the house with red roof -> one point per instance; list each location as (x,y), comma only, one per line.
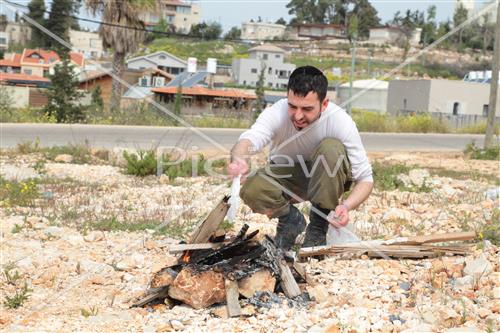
(38,62)
(201,100)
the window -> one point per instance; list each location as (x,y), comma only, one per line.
(485,110)
(163,57)
(245,82)
(3,40)
(270,84)
(405,104)
(277,56)
(456,105)
(254,70)
(270,70)
(28,71)
(265,56)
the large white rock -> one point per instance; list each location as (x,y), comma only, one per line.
(478,268)
(63,158)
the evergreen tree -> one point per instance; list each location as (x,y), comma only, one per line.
(260,103)
(459,17)
(37,12)
(63,96)
(59,22)
(233,34)
(280,21)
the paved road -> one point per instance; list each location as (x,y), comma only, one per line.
(145,137)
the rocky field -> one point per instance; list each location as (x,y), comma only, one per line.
(80,242)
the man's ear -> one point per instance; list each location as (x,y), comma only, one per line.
(324,104)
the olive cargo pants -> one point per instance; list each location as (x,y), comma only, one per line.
(322,181)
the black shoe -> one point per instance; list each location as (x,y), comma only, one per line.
(317,228)
(289,227)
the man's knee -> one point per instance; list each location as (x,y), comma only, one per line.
(251,189)
(331,149)
(262,196)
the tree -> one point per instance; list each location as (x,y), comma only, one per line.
(353,28)
(37,13)
(205,30)
(160,28)
(260,102)
(429,27)
(63,96)
(122,41)
(233,34)
(178,103)
(59,22)
(280,21)
(6,102)
(459,17)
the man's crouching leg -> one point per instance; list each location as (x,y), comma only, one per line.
(263,195)
(327,184)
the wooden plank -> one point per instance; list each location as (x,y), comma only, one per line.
(232,295)
(173,248)
(211,223)
(447,237)
(288,283)
(301,270)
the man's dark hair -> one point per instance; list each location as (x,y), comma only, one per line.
(305,79)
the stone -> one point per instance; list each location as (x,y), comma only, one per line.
(261,280)
(483,313)
(220,311)
(94,236)
(63,158)
(464,330)
(478,268)
(318,293)
(164,179)
(177,325)
(420,328)
(54,231)
(496,293)
(198,290)
(430,317)
(464,282)
(163,278)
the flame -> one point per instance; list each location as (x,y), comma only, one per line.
(185,257)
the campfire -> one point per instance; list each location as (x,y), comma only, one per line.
(213,270)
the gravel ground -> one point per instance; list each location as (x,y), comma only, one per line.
(85,280)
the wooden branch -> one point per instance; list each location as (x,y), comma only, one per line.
(202,246)
(288,283)
(232,295)
(211,223)
(447,237)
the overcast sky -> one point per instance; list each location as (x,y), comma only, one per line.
(231,13)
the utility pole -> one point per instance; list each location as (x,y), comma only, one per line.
(351,77)
(490,124)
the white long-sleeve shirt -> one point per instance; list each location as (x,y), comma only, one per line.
(274,126)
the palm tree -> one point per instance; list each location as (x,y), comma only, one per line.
(121,40)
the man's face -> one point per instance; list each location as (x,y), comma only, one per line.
(304,110)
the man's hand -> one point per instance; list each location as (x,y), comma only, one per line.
(238,167)
(340,217)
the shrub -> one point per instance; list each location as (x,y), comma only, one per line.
(14,193)
(141,164)
(479,128)
(476,153)
(386,176)
(420,123)
(80,152)
(372,121)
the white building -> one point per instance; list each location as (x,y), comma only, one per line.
(276,74)
(178,14)
(261,31)
(87,43)
(372,95)
(161,60)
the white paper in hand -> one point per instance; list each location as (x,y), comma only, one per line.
(234,200)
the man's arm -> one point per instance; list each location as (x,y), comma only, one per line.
(360,192)
(240,158)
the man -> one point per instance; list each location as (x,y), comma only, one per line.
(316,152)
